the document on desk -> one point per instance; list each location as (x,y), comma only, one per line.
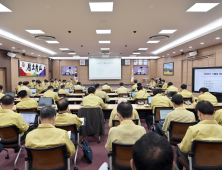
(69,133)
(83,121)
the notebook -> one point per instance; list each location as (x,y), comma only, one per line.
(164,112)
(29,117)
(33,91)
(45,102)
(83,121)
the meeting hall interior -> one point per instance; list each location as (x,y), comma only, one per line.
(111,85)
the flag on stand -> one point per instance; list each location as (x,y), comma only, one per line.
(132,76)
(76,76)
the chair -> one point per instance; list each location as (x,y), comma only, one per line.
(53,158)
(204,155)
(106,90)
(120,156)
(62,95)
(177,131)
(74,131)
(125,95)
(187,99)
(31,110)
(142,101)
(215,108)
(0,101)
(170,94)
(10,137)
(116,122)
(77,91)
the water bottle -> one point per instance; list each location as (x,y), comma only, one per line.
(146,102)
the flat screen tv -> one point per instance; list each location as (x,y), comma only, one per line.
(68,70)
(140,70)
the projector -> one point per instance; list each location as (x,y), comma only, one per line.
(191,54)
(11,54)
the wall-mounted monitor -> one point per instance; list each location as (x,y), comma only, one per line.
(69,70)
(168,69)
(140,70)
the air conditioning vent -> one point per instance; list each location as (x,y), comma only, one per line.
(68,51)
(44,37)
(105,53)
(159,37)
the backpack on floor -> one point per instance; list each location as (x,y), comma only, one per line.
(88,154)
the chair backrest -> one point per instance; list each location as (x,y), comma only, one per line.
(106,90)
(31,110)
(207,155)
(77,91)
(116,122)
(9,134)
(217,108)
(123,95)
(142,101)
(71,128)
(53,158)
(177,130)
(122,154)
(62,95)
(157,112)
(187,99)
(171,93)
(0,101)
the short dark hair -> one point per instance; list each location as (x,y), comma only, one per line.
(141,67)
(152,78)
(125,109)
(33,80)
(170,84)
(157,91)
(121,84)
(152,151)
(46,81)
(47,112)
(55,78)
(139,88)
(183,86)
(139,84)
(62,86)
(91,90)
(25,83)
(78,83)
(177,99)
(62,104)
(19,83)
(50,87)
(135,81)
(1,87)
(7,100)
(69,67)
(205,107)
(22,93)
(52,81)
(59,79)
(163,80)
(203,89)
(63,80)
(96,86)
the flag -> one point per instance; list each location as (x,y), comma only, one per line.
(132,76)
(76,76)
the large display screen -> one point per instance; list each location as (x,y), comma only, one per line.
(168,69)
(31,69)
(68,70)
(104,69)
(140,70)
(208,77)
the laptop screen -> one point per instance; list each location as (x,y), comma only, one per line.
(150,99)
(10,94)
(29,117)
(133,93)
(164,112)
(84,87)
(67,90)
(33,91)
(57,92)
(45,101)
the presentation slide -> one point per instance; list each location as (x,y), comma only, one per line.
(210,78)
(104,69)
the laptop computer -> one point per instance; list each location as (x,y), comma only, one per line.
(150,100)
(33,91)
(10,94)
(133,93)
(68,90)
(29,117)
(45,102)
(164,112)
(84,87)
(57,92)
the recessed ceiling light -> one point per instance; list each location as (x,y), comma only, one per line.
(153,41)
(23,50)
(163,56)
(202,7)
(202,43)
(4,8)
(104,42)
(101,6)
(52,42)
(38,55)
(173,52)
(167,54)
(71,53)
(181,50)
(63,49)
(13,47)
(0,43)
(104,49)
(167,31)
(35,31)
(190,47)
(136,53)
(218,38)
(143,49)
(32,53)
(103,31)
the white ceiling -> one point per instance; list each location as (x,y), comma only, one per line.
(147,17)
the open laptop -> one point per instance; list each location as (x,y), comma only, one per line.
(29,117)
(10,94)
(133,93)
(33,91)
(150,100)
(68,90)
(57,92)
(45,102)
(84,87)
(164,112)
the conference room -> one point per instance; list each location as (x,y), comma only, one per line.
(84,83)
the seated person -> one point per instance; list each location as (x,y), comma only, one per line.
(185,93)
(218,116)
(141,94)
(207,96)
(64,83)
(56,83)
(171,88)
(151,152)
(92,84)
(26,102)
(134,87)
(180,114)
(1,91)
(39,86)
(152,83)
(8,117)
(70,83)
(158,100)
(122,89)
(63,91)
(25,87)
(127,132)
(114,114)
(140,84)
(164,85)
(207,130)
(46,135)
(106,87)
(50,93)
(101,94)
(51,83)
(19,85)
(32,84)
(45,84)
(92,100)
(78,86)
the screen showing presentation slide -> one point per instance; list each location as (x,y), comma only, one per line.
(68,70)
(104,69)
(140,70)
(210,78)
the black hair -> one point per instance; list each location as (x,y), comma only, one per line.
(55,78)
(135,81)
(139,84)
(52,81)
(163,80)
(157,91)
(203,89)
(139,88)
(19,83)
(69,67)
(205,107)
(177,99)
(62,86)
(50,87)
(33,80)
(78,83)
(25,83)
(22,93)
(152,78)
(121,84)
(47,112)
(7,100)
(170,84)
(63,80)
(62,104)
(91,90)
(141,67)
(1,87)
(46,81)
(125,109)
(152,152)
(183,86)
(96,86)
(59,79)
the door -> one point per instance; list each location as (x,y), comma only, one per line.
(2,78)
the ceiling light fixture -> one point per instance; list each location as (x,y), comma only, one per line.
(35,31)
(167,31)
(104,49)
(202,43)
(143,49)
(173,52)
(104,42)
(103,31)
(71,53)
(181,50)
(101,6)
(13,47)
(202,7)
(217,38)
(163,56)
(63,49)
(69,58)
(4,8)
(136,53)
(153,41)
(167,54)
(145,57)
(38,55)
(52,42)
(32,53)
(190,47)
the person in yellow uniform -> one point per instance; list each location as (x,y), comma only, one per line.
(1,91)
(207,130)
(9,117)
(63,83)
(18,86)
(218,116)
(92,100)
(140,84)
(50,93)
(32,84)
(46,135)
(152,83)
(127,132)
(134,87)
(114,114)
(26,102)
(56,83)
(165,85)
(171,87)
(207,96)
(39,87)
(180,114)
(101,94)
(185,93)
(78,86)
(51,83)
(63,91)
(106,87)
(158,100)
(122,89)
(141,94)
(25,87)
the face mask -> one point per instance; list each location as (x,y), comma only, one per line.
(2,91)
(21,84)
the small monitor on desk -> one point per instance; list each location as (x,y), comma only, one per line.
(150,100)
(68,90)
(164,113)
(133,93)
(45,102)
(10,94)
(29,117)
(84,87)
(33,91)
